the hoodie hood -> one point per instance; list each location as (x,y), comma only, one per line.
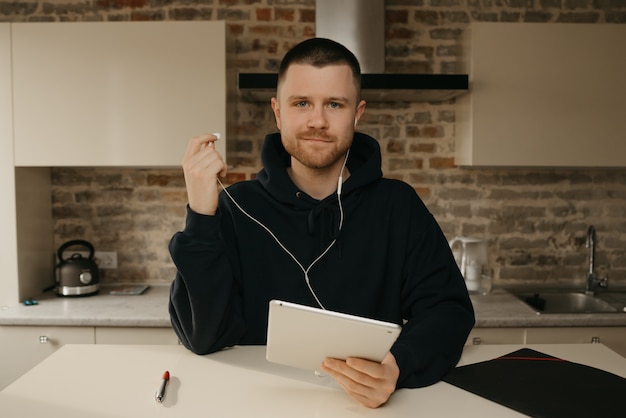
(364,163)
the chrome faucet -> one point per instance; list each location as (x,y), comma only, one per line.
(593,283)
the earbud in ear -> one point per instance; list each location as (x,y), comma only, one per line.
(355,122)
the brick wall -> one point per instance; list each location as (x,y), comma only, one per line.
(535,219)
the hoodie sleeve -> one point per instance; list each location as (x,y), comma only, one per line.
(435,303)
(204,306)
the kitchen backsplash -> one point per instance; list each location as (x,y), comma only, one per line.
(536,220)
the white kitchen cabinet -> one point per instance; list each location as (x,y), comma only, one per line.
(496,336)
(23,347)
(544,94)
(8,231)
(613,337)
(115,93)
(126,335)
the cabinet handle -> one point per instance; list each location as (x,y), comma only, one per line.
(476,341)
(43,339)
(595,340)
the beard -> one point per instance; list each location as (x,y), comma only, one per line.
(316,157)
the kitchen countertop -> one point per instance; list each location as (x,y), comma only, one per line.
(146,310)
(499,309)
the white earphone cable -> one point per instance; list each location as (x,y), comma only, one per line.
(304,270)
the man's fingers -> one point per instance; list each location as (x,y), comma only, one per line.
(197,143)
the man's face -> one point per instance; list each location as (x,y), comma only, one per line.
(316,112)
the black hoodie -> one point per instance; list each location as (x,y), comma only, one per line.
(390,262)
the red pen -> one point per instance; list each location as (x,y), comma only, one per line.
(160,394)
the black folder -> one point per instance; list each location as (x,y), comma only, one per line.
(543,386)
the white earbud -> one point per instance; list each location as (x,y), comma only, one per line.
(340,179)
(355,122)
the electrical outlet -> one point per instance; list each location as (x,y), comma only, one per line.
(104,259)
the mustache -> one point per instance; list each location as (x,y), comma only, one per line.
(314,133)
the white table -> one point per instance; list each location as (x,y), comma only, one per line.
(120,381)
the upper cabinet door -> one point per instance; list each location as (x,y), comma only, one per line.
(116,93)
(543,95)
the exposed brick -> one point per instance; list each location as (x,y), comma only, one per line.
(234,177)
(448,50)
(555,4)
(438,163)
(396,16)
(506,16)
(448,67)
(455,193)
(232,14)
(615,17)
(71,231)
(423,52)
(246,63)
(433,131)
(410,67)
(174,195)
(422,148)
(426,17)
(147,16)
(399,33)
(308,31)
(307,16)
(405,163)
(455,17)
(524,4)
(288,15)
(396,147)
(584,17)
(188,13)
(445,3)
(265,30)
(111,210)
(446,116)
(235,29)
(264,14)
(485,16)
(120,4)
(397,51)
(537,16)
(445,33)
(422,192)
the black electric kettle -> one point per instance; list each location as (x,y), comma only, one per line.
(77,275)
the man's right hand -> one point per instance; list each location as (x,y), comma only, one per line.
(201,166)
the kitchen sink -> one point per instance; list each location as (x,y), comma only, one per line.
(568,302)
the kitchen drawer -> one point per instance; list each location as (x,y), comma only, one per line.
(23,347)
(127,335)
(496,336)
(613,337)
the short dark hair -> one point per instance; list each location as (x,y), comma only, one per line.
(320,52)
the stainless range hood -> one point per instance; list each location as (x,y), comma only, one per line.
(362,30)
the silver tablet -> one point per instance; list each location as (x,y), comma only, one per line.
(302,336)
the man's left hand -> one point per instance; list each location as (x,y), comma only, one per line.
(368,382)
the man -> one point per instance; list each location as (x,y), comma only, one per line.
(318,226)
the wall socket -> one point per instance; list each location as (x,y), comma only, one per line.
(104,259)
